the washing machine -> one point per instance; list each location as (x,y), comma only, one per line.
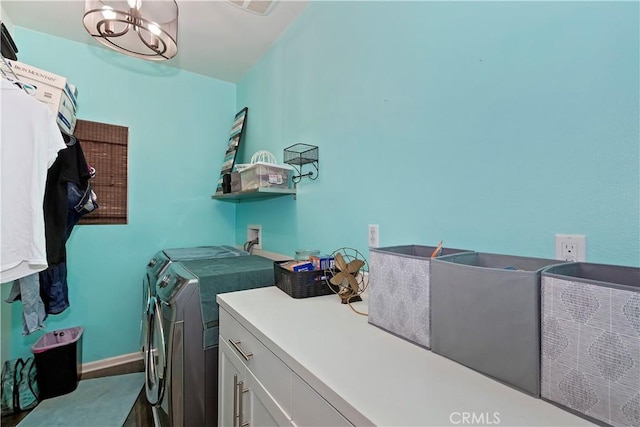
(182,351)
(158,265)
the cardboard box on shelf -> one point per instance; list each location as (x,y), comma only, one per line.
(52,89)
(74,91)
(66,117)
(298,266)
(322,262)
(66,121)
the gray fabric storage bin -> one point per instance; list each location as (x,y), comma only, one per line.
(399,290)
(591,341)
(485,314)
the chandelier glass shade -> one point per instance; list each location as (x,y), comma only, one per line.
(146,29)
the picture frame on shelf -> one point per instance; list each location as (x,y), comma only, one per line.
(233,145)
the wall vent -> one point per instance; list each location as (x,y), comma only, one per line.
(259,7)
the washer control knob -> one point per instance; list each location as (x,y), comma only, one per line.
(165,281)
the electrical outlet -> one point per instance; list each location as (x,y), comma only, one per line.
(255,232)
(374,235)
(571,247)
(569,251)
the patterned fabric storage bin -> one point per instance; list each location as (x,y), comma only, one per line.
(399,290)
(485,314)
(591,341)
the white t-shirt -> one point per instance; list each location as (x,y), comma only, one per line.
(30,141)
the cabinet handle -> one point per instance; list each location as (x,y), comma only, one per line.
(241,423)
(236,345)
(235,400)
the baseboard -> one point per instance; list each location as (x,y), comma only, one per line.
(111,362)
(271,255)
(266,254)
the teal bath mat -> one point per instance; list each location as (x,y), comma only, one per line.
(100,402)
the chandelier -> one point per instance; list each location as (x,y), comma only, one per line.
(146,29)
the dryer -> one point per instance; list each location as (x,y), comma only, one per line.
(161,260)
(182,350)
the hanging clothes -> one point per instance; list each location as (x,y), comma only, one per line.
(30,144)
(70,167)
(54,290)
(27,290)
(65,203)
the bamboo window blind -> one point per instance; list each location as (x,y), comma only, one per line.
(105,148)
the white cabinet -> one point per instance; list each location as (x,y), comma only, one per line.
(231,374)
(299,344)
(310,409)
(256,388)
(242,399)
(262,409)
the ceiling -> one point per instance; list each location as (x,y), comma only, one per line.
(215,38)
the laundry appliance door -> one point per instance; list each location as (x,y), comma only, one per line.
(170,410)
(146,310)
(155,267)
(155,355)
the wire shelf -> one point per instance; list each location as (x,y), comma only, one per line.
(300,154)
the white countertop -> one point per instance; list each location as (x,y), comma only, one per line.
(374,377)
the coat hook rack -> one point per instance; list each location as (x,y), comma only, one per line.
(301,154)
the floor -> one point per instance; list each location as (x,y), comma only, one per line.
(140,415)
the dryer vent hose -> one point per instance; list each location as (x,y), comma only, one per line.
(248,246)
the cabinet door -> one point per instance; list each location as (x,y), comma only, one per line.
(273,373)
(263,410)
(231,374)
(242,400)
(310,409)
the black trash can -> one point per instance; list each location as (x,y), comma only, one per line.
(58,357)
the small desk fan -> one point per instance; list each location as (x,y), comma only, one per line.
(346,274)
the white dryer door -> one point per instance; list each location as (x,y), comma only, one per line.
(155,360)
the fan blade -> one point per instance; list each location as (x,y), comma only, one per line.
(342,266)
(337,279)
(353,283)
(355,265)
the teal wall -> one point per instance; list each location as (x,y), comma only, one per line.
(178,129)
(490,125)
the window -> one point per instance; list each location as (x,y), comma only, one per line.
(105,148)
